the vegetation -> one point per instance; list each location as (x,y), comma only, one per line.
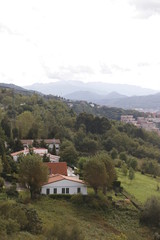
(142,187)
(33,173)
(89,141)
(151,212)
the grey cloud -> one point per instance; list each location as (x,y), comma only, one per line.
(146,8)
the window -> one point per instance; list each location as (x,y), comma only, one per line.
(55,190)
(67,190)
(79,190)
(63,190)
(47,191)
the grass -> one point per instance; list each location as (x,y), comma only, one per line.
(114,224)
(141,187)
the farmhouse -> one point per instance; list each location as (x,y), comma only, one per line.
(60,184)
(50,143)
(40,151)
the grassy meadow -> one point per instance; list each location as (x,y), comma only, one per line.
(114,224)
(141,187)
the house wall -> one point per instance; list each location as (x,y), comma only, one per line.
(73,186)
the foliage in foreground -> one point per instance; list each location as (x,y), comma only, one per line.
(33,173)
(151,212)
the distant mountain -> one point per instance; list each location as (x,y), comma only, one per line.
(114,95)
(92,97)
(150,102)
(83,95)
(63,88)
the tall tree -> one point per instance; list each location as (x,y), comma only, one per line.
(95,173)
(110,170)
(33,173)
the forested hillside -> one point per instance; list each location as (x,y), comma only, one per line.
(102,111)
(35,116)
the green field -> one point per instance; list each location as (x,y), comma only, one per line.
(141,187)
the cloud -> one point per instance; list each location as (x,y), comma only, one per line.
(78,69)
(5,29)
(105,69)
(118,68)
(69,72)
(143,64)
(146,8)
(113,68)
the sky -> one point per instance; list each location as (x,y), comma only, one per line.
(114,41)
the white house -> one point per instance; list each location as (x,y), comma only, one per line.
(40,151)
(60,184)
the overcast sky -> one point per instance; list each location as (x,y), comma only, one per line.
(115,41)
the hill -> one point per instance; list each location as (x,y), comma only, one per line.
(63,88)
(16,88)
(92,97)
(150,102)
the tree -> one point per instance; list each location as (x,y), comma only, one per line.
(114,153)
(123,156)
(68,152)
(124,169)
(46,158)
(24,123)
(33,173)
(133,163)
(131,174)
(110,171)
(95,173)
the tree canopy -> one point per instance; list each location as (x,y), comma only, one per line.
(33,173)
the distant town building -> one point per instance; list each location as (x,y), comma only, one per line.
(149,124)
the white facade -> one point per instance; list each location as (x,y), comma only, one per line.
(64,187)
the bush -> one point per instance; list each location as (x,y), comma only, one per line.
(99,202)
(12,192)
(60,196)
(62,232)
(151,212)
(34,222)
(1,183)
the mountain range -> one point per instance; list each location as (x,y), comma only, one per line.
(63,88)
(149,99)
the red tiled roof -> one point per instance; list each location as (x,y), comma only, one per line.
(57,168)
(59,177)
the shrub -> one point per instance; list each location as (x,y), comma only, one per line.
(99,202)
(34,222)
(151,212)
(1,183)
(60,196)
(12,192)
(61,232)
